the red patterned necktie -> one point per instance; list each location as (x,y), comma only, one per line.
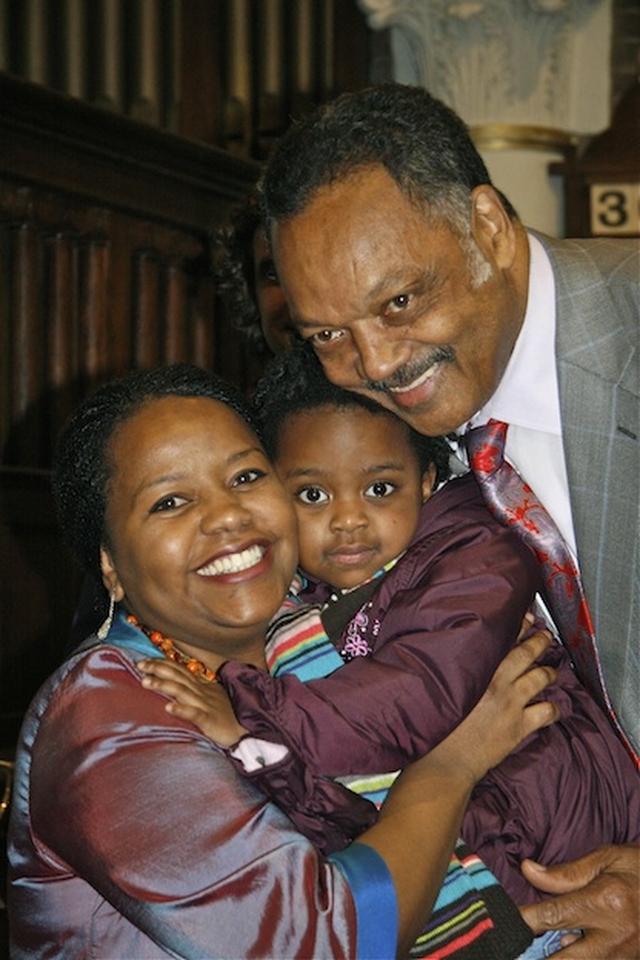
(514,503)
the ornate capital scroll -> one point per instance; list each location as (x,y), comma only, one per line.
(529,77)
(535,63)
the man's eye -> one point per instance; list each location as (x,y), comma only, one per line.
(312,495)
(399,303)
(324,337)
(170,502)
(381,488)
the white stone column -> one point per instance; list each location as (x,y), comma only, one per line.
(529,77)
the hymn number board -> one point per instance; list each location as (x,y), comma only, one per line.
(615,209)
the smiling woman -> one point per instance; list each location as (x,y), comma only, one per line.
(131,833)
(200,535)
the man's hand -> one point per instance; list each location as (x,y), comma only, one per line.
(206,705)
(600,894)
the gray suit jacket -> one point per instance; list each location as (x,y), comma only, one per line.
(598,323)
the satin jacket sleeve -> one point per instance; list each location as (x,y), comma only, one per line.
(133,835)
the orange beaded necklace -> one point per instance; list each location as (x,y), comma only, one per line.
(169,649)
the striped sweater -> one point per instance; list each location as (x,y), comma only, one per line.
(473,917)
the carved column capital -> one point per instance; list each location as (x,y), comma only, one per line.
(537,63)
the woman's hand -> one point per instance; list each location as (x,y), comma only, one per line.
(205,704)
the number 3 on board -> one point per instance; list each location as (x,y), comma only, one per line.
(615,209)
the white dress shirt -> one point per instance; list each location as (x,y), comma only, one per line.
(527,399)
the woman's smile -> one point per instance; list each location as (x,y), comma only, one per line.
(201,536)
(249,560)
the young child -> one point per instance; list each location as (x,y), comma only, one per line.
(416,596)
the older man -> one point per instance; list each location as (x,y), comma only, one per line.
(417,285)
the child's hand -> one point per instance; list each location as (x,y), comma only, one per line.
(206,705)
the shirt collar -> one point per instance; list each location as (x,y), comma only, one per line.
(527,394)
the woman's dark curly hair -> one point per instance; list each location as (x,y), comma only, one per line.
(234,271)
(82,466)
(295,383)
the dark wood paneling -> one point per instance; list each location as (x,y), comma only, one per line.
(39,585)
(104,266)
(201,113)
(52,139)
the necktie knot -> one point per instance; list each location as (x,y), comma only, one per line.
(485,447)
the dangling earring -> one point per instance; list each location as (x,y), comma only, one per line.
(106,626)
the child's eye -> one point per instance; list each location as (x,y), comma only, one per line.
(171,502)
(312,495)
(248,477)
(381,488)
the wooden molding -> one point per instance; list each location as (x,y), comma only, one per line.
(52,139)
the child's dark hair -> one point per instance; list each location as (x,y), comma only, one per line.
(295,382)
(82,467)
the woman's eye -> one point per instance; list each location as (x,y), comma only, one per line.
(248,477)
(381,488)
(312,495)
(170,502)
(270,274)
(266,274)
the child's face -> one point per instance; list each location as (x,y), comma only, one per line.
(356,487)
(202,535)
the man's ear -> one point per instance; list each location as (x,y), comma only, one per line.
(492,227)
(110,575)
(428,480)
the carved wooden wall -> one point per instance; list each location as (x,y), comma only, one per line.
(105,224)
(104,266)
(227,72)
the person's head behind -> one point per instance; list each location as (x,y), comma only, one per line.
(247,283)
(401,263)
(358,475)
(163,487)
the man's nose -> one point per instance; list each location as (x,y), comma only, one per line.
(378,355)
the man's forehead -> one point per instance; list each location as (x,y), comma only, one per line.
(343,188)
(386,259)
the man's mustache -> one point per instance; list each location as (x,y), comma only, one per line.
(405,375)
